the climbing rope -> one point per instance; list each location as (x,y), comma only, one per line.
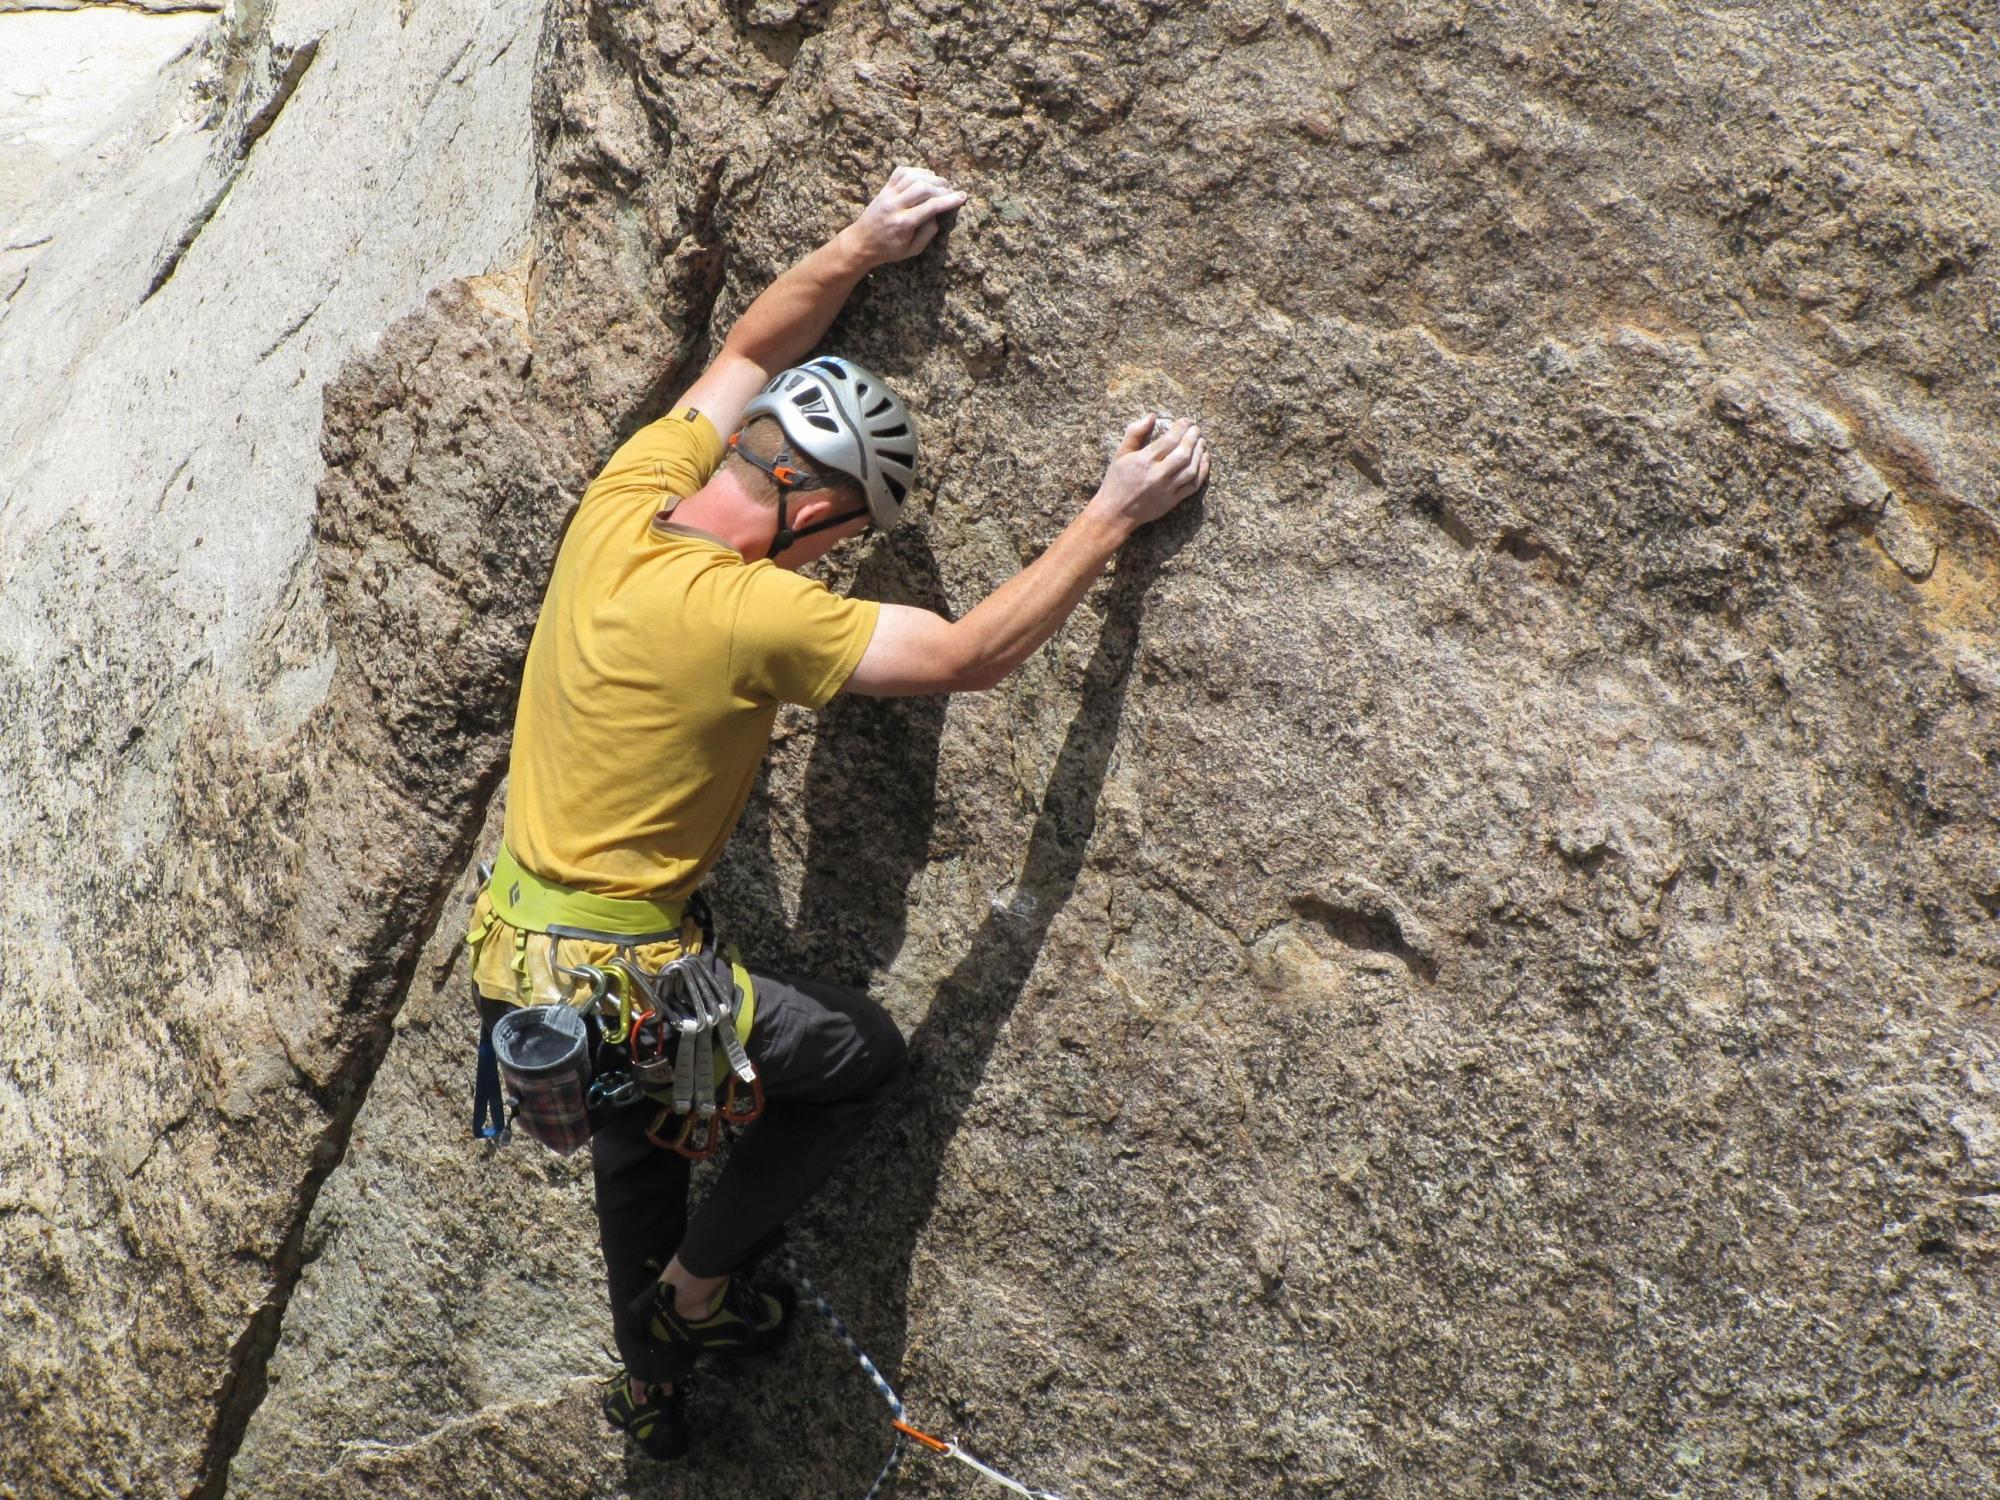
(792,1270)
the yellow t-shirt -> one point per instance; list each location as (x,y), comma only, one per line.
(655,673)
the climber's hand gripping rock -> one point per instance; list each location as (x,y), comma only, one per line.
(903,217)
(1150,475)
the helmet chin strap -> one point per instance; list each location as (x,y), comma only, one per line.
(787,478)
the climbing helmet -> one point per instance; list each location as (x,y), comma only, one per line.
(846,418)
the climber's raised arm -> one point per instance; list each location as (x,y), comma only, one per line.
(794,312)
(915,651)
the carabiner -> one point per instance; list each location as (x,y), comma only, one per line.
(637,977)
(685,1143)
(649,1037)
(729,1110)
(590,974)
(674,1000)
(615,1091)
(618,1029)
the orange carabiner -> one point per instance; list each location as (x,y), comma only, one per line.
(654,1039)
(684,1142)
(737,1116)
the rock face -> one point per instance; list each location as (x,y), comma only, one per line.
(1469,968)
(186,1011)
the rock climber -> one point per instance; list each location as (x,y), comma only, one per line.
(675,623)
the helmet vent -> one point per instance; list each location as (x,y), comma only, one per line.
(842,419)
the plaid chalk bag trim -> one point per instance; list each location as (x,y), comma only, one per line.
(544,1059)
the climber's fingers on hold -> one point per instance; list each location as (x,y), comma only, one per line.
(1195,475)
(906,179)
(909,185)
(1187,473)
(898,193)
(1161,450)
(1185,464)
(928,201)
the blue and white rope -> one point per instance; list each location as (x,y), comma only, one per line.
(791,1268)
(788,1264)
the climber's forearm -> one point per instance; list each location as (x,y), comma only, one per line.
(794,312)
(1010,624)
(1157,466)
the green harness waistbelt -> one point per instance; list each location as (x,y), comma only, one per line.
(521,898)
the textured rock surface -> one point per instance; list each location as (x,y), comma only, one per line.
(67,81)
(182,1030)
(1468,969)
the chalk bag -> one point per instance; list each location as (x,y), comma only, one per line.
(544,1058)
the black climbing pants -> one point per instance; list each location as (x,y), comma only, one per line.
(829,1059)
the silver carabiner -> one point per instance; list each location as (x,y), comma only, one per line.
(590,974)
(722,1008)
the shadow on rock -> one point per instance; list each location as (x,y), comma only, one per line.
(870,805)
(871,753)
(871,808)
(884,1195)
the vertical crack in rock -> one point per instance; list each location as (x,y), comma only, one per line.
(422,698)
(170,262)
(263,99)
(290,331)
(411,748)
(249,1358)
(292,69)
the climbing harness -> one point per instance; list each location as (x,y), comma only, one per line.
(677,1031)
(788,1265)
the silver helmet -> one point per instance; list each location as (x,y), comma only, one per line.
(846,418)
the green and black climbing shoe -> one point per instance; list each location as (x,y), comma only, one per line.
(658,1424)
(749,1318)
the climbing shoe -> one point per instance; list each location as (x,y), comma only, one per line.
(749,1318)
(658,1424)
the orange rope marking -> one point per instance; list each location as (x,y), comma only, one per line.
(934,1444)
